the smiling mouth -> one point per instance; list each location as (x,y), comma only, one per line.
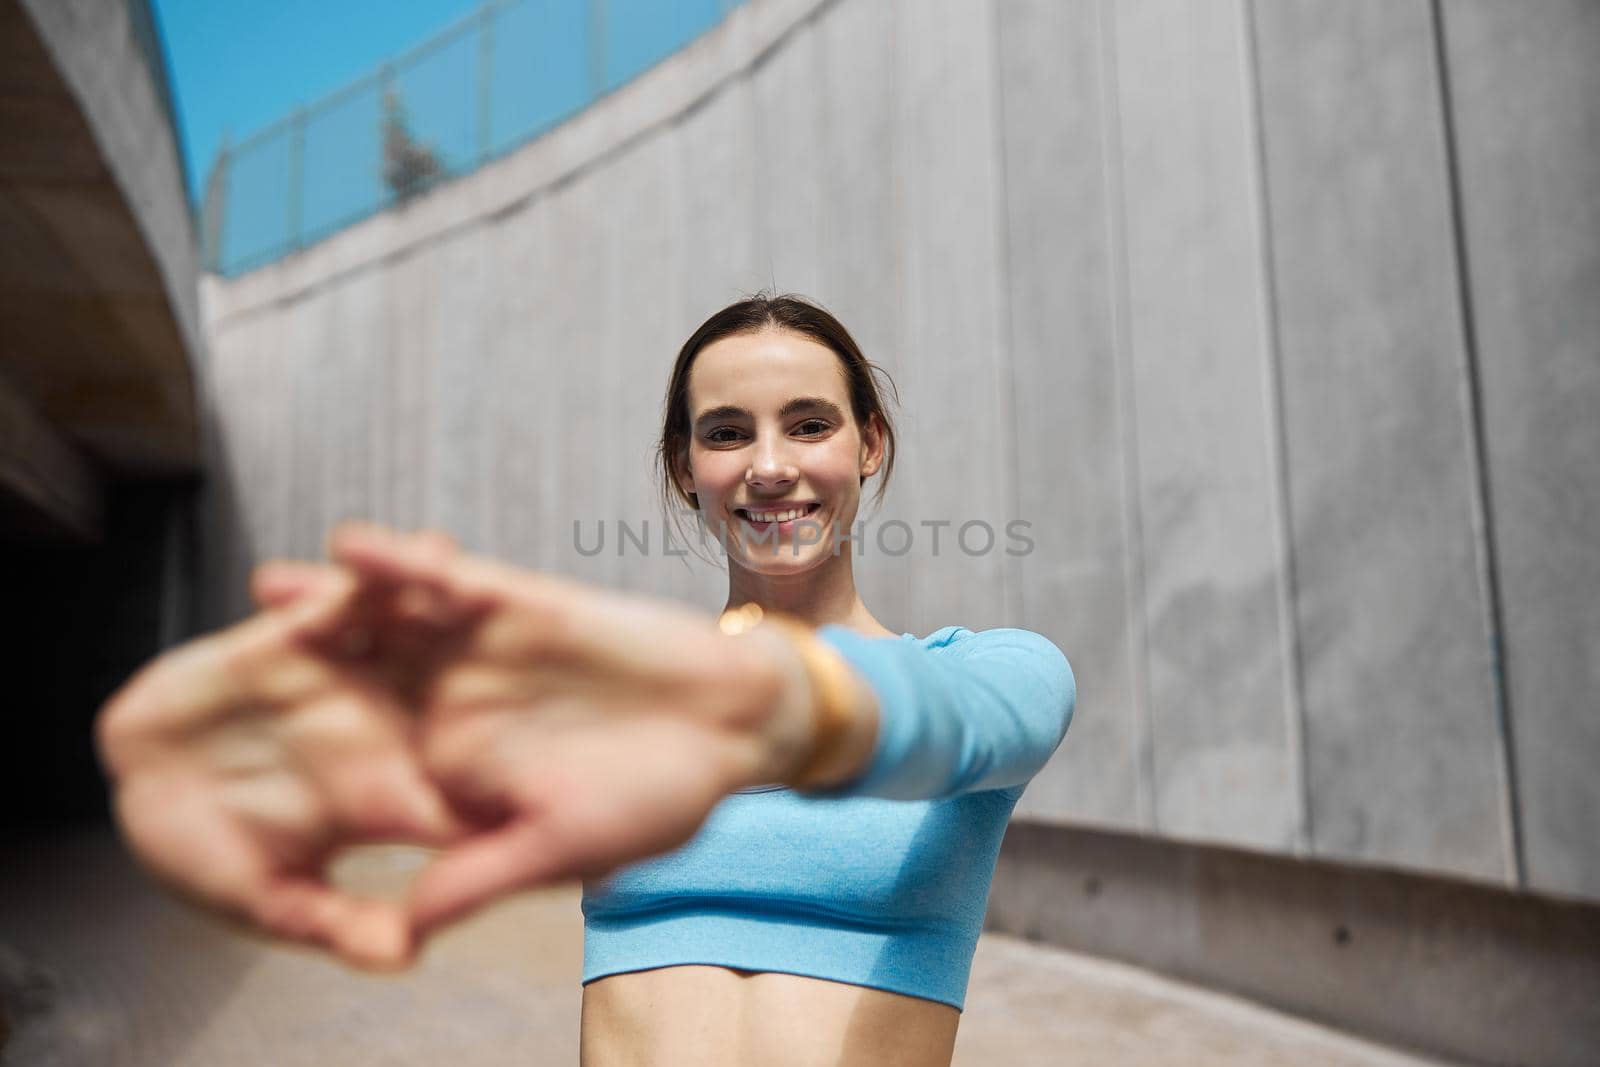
(810,510)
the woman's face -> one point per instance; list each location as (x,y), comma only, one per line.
(770,431)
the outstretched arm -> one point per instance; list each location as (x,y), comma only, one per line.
(579,729)
(986,713)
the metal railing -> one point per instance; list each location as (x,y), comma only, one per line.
(477,89)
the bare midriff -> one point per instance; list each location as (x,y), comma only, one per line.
(722,1017)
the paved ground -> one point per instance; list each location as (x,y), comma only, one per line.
(99,967)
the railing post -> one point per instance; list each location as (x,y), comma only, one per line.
(385,89)
(297,166)
(214,208)
(485,78)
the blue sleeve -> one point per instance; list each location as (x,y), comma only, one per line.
(986,713)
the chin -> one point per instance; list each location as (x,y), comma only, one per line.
(783,560)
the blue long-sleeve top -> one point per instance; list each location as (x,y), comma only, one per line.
(882,881)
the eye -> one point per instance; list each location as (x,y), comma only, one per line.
(714,439)
(822,427)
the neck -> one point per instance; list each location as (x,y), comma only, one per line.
(824,595)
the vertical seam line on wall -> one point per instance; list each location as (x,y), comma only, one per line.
(422,395)
(1013,592)
(491,348)
(382,406)
(819,236)
(333,374)
(1277,439)
(1127,413)
(1480,489)
(277,522)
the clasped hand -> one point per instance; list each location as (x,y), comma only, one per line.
(532,728)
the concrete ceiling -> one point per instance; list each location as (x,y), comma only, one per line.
(95,372)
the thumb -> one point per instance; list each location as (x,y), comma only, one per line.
(366,933)
(522,854)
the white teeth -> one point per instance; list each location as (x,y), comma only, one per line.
(776,516)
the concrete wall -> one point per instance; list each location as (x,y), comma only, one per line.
(1275,320)
(1463,973)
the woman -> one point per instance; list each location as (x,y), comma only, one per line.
(787,819)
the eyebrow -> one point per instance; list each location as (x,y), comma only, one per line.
(795,406)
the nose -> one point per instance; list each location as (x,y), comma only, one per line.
(770,470)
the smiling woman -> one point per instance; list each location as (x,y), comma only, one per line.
(818,925)
(786,818)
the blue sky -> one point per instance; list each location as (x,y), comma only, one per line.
(239,65)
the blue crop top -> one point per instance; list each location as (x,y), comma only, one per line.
(880,882)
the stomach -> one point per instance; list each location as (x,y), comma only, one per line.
(711,1016)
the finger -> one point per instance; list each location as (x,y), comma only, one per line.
(335,614)
(366,933)
(427,549)
(426,569)
(435,543)
(276,583)
(383,555)
(376,791)
(521,855)
(181,835)
(203,680)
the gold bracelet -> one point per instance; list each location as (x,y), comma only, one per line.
(832,688)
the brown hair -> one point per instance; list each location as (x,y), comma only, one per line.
(785,312)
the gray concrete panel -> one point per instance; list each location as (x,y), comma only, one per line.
(714,147)
(399,463)
(464,292)
(958,430)
(609,434)
(1402,751)
(1525,83)
(578,282)
(788,165)
(1070,485)
(250,393)
(522,407)
(301,358)
(858,247)
(644,326)
(354,372)
(503,401)
(1208,503)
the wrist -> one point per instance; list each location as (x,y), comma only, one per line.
(817,726)
(778,722)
